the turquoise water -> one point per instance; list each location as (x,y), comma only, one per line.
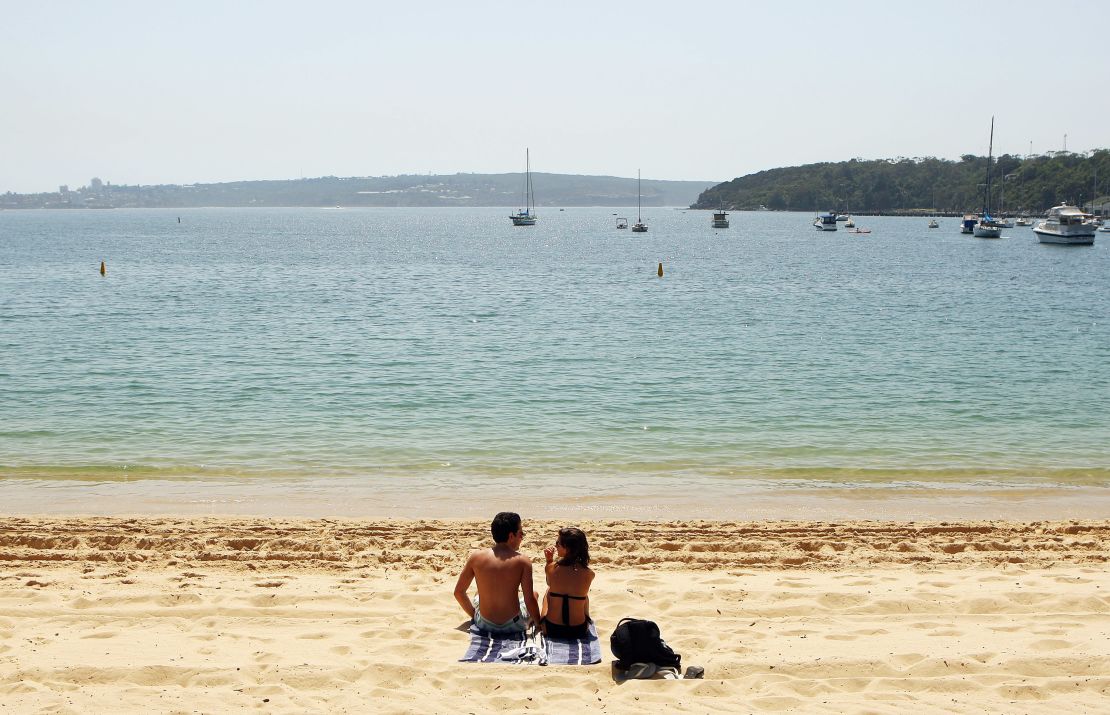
(444,348)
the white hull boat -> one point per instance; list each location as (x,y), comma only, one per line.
(1066,225)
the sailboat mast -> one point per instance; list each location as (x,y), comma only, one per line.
(528,200)
(990,153)
(638,196)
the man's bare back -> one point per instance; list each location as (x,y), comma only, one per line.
(502,573)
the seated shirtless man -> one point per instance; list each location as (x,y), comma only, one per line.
(501,572)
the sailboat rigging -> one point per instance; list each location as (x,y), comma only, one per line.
(639,226)
(527,215)
(987,227)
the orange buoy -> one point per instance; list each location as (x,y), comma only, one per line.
(102,270)
(660,270)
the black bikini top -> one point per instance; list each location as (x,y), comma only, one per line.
(566,604)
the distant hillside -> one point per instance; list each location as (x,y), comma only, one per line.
(447,190)
(877,186)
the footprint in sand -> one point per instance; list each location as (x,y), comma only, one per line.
(101,634)
(1050,644)
(841,637)
(341,650)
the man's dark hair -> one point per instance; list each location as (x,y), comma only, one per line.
(504,524)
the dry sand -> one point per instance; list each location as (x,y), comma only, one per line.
(114,615)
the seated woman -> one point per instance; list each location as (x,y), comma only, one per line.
(565,612)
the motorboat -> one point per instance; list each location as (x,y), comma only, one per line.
(527,215)
(825,222)
(622,223)
(850,223)
(1067,225)
(933,223)
(720,219)
(842,217)
(1022,221)
(860,230)
(967,225)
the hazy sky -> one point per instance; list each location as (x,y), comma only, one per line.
(178,92)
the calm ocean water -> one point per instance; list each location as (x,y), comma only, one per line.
(426,353)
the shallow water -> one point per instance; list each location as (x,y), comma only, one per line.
(430,352)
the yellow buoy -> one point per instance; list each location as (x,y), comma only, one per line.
(660,270)
(102,270)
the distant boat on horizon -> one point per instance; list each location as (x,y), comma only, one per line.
(527,215)
(639,226)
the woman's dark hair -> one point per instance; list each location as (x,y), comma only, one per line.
(504,524)
(578,551)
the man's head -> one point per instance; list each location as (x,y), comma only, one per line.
(504,525)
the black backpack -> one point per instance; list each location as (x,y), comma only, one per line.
(638,641)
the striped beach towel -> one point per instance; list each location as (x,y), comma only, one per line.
(578,651)
(513,648)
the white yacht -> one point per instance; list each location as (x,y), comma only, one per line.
(1066,224)
(933,223)
(825,222)
(720,219)
(1022,221)
(967,225)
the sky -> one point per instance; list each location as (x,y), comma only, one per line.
(183,92)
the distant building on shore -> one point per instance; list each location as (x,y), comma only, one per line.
(1099,207)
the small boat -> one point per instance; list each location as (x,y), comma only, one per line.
(1022,221)
(639,226)
(967,225)
(987,227)
(850,223)
(527,215)
(860,230)
(825,222)
(1066,225)
(720,219)
(933,223)
(1104,229)
(843,217)
(622,223)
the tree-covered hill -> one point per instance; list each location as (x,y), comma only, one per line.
(1032,184)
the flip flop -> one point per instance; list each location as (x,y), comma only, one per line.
(694,672)
(642,671)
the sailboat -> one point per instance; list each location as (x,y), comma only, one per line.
(527,215)
(987,227)
(639,226)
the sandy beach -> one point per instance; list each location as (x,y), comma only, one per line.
(215,614)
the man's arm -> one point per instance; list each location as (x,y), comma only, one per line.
(529,593)
(465,579)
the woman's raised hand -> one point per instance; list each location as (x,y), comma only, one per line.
(549,553)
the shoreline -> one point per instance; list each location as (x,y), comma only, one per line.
(629,498)
(135,615)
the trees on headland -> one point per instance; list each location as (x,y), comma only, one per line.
(1030,184)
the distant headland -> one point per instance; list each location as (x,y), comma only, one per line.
(405,190)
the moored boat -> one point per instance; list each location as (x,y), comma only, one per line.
(967,225)
(527,215)
(639,226)
(933,223)
(720,219)
(1066,225)
(987,227)
(825,222)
